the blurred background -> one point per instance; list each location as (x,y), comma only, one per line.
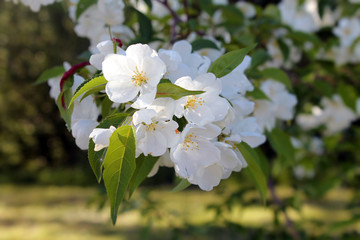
(48,191)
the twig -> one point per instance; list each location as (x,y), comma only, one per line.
(176,19)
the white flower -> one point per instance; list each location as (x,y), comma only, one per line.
(310,121)
(335,115)
(101,137)
(247,8)
(158,9)
(242,106)
(54,83)
(236,81)
(111,11)
(195,150)
(192,63)
(174,66)
(207,177)
(247,130)
(138,72)
(36,4)
(163,161)
(83,109)
(119,31)
(281,105)
(89,23)
(299,18)
(338,116)
(203,108)
(231,159)
(164,108)
(104,48)
(84,116)
(347,30)
(211,53)
(278,59)
(81,130)
(154,135)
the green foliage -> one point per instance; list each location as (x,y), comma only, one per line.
(82,6)
(254,168)
(277,75)
(96,158)
(281,143)
(145,28)
(119,166)
(92,84)
(63,103)
(203,43)
(257,93)
(273,12)
(173,91)
(181,185)
(349,95)
(50,73)
(226,63)
(144,165)
(259,57)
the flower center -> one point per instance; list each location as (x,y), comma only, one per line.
(347,31)
(151,127)
(190,142)
(194,102)
(139,78)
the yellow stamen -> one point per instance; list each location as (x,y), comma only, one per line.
(190,143)
(151,127)
(194,102)
(139,78)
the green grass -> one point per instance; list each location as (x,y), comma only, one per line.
(52,212)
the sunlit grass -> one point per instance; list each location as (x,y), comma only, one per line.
(41,212)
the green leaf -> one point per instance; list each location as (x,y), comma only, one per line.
(119,166)
(284,48)
(259,57)
(88,85)
(173,91)
(203,43)
(257,93)
(82,6)
(106,105)
(277,75)
(232,16)
(96,158)
(144,165)
(254,168)
(324,88)
(281,143)
(349,95)
(226,63)
(145,27)
(92,91)
(50,73)
(67,111)
(183,184)
(272,11)
(302,37)
(263,161)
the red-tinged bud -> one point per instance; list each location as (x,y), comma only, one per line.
(117,41)
(67,75)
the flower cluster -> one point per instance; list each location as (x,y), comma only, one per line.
(202,83)
(203,151)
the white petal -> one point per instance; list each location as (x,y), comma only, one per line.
(121,92)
